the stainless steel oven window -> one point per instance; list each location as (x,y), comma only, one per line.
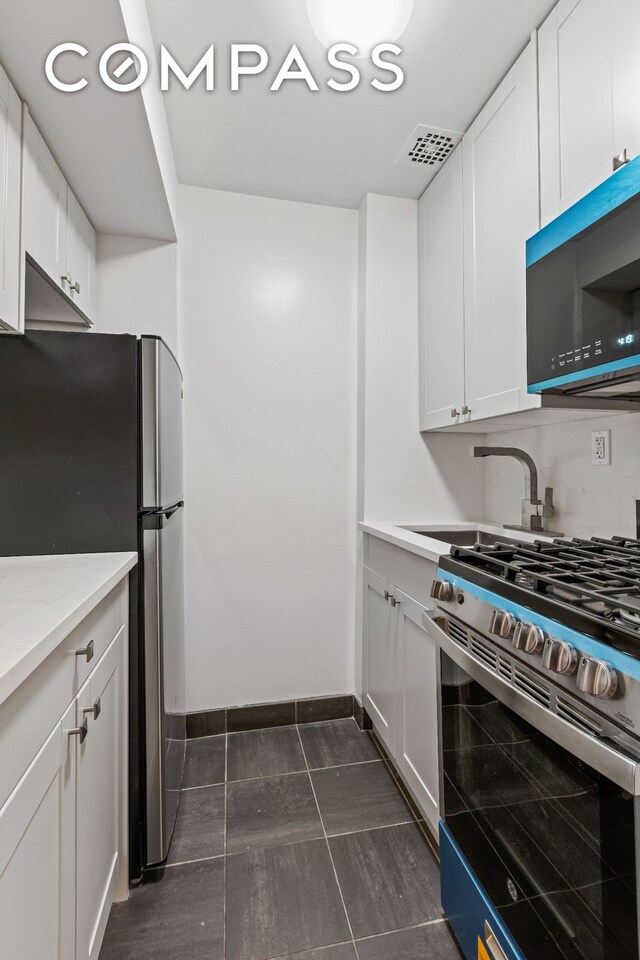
(553,842)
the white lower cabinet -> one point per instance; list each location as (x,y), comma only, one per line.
(400,681)
(380,632)
(417,706)
(36,854)
(97,792)
(63,827)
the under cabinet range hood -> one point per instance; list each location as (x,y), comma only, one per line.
(583,295)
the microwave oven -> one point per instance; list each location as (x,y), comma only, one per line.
(583,295)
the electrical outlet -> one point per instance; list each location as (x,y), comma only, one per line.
(601,448)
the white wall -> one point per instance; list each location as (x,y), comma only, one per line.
(589,500)
(267,305)
(137,287)
(401,475)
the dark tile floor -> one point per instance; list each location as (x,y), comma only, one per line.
(292,842)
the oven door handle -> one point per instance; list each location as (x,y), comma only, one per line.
(602,756)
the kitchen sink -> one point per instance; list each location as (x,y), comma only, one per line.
(467,538)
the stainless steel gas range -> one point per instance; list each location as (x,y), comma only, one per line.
(540,748)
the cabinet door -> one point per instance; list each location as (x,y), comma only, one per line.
(98,780)
(440,218)
(380,656)
(37,855)
(44,204)
(418,707)
(500,160)
(80,258)
(589,103)
(10,206)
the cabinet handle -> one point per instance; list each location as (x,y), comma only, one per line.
(73,287)
(621,160)
(86,651)
(94,710)
(80,731)
(466,410)
(493,946)
(395,602)
(455,413)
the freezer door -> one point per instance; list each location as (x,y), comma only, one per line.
(161,418)
(164,675)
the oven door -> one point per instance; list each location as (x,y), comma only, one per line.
(549,841)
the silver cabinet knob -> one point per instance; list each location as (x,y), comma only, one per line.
(94,710)
(73,287)
(621,159)
(455,413)
(559,656)
(597,677)
(502,624)
(86,651)
(442,590)
(528,638)
(466,410)
(80,731)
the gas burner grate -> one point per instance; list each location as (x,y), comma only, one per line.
(598,576)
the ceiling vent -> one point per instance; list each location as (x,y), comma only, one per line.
(429,146)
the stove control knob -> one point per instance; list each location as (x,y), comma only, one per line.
(559,656)
(442,590)
(597,678)
(528,638)
(502,624)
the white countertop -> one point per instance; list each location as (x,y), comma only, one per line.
(42,599)
(429,547)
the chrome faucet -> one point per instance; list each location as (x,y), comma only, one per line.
(532,516)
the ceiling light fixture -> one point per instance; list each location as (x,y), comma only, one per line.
(364,23)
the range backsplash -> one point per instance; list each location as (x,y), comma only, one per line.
(590,500)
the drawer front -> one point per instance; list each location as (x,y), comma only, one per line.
(475,921)
(407,571)
(29,715)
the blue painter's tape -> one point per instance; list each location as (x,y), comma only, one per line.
(623,185)
(622,364)
(621,661)
(466,903)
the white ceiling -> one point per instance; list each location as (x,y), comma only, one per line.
(329,147)
(104,142)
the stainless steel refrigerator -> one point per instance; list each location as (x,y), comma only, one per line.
(91,461)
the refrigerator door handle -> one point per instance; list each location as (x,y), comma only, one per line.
(155,519)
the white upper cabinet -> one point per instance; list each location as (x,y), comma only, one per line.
(589,75)
(501,211)
(81,258)
(57,234)
(44,205)
(441,248)
(10,198)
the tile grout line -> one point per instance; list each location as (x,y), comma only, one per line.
(421,820)
(182,863)
(287,773)
(287,843)
(326,840)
